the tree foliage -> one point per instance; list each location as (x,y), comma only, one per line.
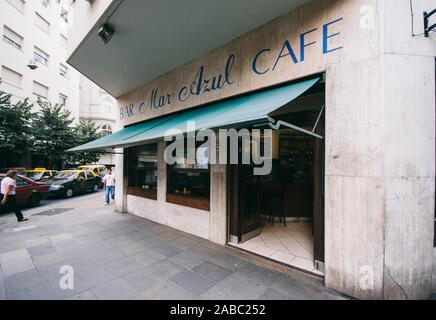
(46,133)
(86,131)
(15,126)
(53,133)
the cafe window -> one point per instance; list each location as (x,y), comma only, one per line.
(142,171)
(188,180)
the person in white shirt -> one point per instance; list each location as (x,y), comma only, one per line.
(109,186)
(7,194)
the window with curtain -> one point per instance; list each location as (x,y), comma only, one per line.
(11,77)
(13,38)
(40,56)
(41,23)
(18,4)
(40,90)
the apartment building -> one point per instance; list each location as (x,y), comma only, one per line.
(36,33)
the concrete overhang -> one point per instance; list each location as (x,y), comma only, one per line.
(154,37)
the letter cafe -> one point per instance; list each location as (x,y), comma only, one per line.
(202,84)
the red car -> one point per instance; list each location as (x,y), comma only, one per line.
(28,192)
(18,169)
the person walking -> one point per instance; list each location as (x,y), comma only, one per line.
(109,186)
(7,194)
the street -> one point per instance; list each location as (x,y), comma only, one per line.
(121,256)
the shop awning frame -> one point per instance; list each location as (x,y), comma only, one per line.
(279,123)
(247,110)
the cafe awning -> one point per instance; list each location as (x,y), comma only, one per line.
(247,110)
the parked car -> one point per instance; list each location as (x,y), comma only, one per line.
(95,168)
(68,183)
(19,170)
(39,174)
(28,192)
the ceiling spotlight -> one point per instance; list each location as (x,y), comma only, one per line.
(106,32)
(32,65)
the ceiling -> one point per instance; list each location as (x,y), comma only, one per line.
(154,37)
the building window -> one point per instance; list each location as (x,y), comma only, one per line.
(63,99)
(142,171)
(107,129)
(11,77)
(64,40)
(13,38)
(64,15)
(41,23)
(40,90)
(63,70)
(40,56)
(188,181)
(18,4)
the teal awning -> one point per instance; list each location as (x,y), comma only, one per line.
(245,110)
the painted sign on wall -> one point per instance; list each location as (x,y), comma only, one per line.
(212,79)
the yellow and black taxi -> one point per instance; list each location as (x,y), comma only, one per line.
(39,174)
(97,169)
(68,183)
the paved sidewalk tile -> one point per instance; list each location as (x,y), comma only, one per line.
(166,250)
(23,280)
(87,295)
(298,289)
(165,290)
(38,292)
(121,256)
(186,259)
(15,262)
(165,269)
(41,249)
(212,271)
(272,294)
(192,282)
(141,279)
(115,290)
(2,291)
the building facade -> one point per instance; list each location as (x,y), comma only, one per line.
(37,31)
(97,106)
(351,195)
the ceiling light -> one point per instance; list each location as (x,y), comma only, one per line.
(106,32)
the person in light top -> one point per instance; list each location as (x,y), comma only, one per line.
(7,194)
(109,185)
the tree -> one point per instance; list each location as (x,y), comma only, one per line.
(53,133)
(15,129)
(86,131)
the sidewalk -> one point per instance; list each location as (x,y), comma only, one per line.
(121,256)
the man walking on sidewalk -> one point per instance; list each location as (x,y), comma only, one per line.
(109,186)
(7,194)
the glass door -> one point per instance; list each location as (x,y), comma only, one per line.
(249,206)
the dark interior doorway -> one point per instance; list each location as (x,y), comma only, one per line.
(282,214)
